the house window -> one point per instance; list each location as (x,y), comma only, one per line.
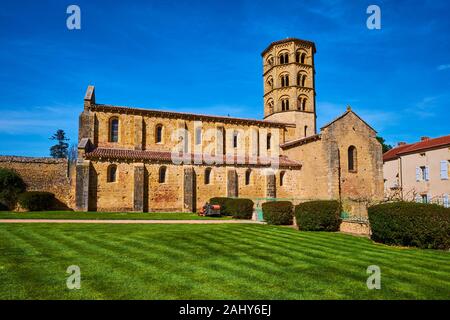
(247,177)
(444,170)
(162,175)
(112,173)
(159,133)
(352,158)
(424,198)
(235,140)
(422,173)
(207,175)
(282,174)
(114,130)
(269,140)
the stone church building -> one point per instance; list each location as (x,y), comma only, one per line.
(132,159)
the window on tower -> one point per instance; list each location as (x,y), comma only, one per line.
(285,80)
(284,104)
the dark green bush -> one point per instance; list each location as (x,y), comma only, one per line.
(222,202)
(411,224)
(11,185)
(36,200)
(321,215)
(240,208)
(278,213)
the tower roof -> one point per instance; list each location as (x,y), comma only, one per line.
(289,40)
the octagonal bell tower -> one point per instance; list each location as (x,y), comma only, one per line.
(289,89)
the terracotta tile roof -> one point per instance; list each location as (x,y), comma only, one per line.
(289,40)
(416,147)
(301,141)
(173,114)
(166,156)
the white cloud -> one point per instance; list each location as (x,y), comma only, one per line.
(443,67)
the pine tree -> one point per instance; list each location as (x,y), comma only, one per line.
(59,150)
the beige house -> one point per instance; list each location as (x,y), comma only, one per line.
(419,171)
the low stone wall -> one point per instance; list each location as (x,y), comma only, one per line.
(43,174)
(355,227)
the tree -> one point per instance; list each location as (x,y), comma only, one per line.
(386,147)
(59,150)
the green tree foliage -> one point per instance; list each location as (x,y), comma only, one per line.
(386,147)
(59,150)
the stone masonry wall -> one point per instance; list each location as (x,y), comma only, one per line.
(43,174)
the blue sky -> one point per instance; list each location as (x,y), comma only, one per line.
(204,57)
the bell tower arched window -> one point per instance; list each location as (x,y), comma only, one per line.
(284,104)
(285,80)
(284,58)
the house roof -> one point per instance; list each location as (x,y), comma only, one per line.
(349,110)
(184,115)
(289,40)
(300,141)
(166,157)
(416,147)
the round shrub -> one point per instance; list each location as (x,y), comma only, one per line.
(411,224)
(321,215)
(36,200)
(278,213)
(11,185)
(222,202)
(240,208)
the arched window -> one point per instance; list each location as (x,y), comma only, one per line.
(352,158)
(235,139)
(269,140)
(114,129)
(301,103)
(270,83)
(207,175)
(270,61)
(303,58)
(247,176)
(303,80)
(198,135)
(162,175)
(282,174)
(285,80)
(284,58)
(112,173)
(270,106)
(159,133)
(284,104)
(297,57)
(305,130)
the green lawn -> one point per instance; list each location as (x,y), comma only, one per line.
(210,262)
(105,215)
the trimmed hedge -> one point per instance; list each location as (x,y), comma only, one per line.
(36,200)
(278,213)
(222,202)
(236,207)
(411,224)
(11,185)
(321,215)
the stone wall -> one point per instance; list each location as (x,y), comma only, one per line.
(43,174)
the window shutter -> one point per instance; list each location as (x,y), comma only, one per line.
(444,170)
(446,204)
(418,174)
(427,173)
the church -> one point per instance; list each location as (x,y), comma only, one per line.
(145,160)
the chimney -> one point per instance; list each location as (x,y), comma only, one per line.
(424,138)
(401,143)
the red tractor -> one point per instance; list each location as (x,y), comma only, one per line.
(210,210)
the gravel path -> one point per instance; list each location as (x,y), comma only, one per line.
(128,221)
